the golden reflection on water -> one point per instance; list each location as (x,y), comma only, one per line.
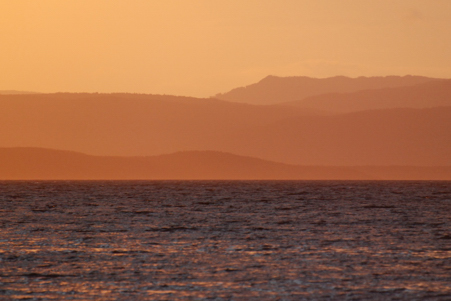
(237,247)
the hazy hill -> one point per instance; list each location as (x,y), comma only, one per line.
(274,90)
(138,125)
(374,137)
(45,164)
(427,95)
(125,124)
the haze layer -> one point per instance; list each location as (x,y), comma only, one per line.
(408,125)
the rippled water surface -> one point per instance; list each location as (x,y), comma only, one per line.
(225,240)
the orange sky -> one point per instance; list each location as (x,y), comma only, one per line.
(203,47)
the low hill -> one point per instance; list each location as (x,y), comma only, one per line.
(45,164)
(275,90)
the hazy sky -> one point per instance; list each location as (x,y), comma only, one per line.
(203,47)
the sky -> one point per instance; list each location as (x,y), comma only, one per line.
(203,47)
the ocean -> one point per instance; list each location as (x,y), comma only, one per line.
(225,240)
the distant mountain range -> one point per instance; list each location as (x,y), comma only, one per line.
(276,90)
(407,125)
(46,164)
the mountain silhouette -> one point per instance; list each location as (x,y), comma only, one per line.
(47,164)
(149,125)
(274,90)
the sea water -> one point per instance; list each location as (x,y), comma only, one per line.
(225,240)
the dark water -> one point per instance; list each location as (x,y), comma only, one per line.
(225,240)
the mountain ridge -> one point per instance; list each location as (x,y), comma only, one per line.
(276,90)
